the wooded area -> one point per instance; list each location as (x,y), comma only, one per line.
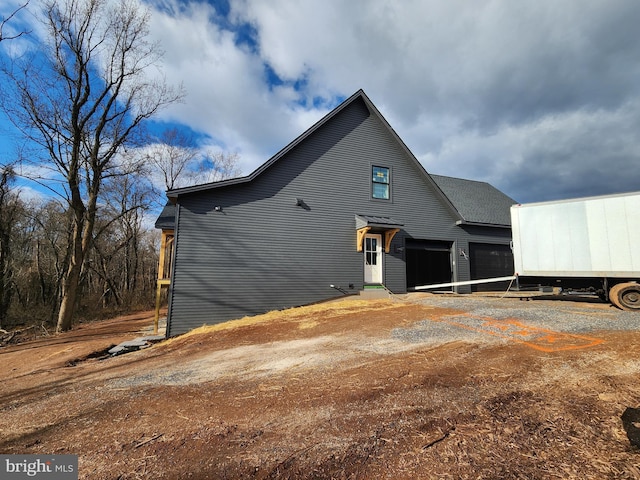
(80,93)
(118,275)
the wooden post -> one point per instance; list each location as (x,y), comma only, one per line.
(164,275)
(156,319)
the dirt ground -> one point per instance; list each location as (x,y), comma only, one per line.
(328,391)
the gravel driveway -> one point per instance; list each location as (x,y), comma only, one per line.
(495,319)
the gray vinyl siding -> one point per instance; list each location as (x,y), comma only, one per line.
(262,252)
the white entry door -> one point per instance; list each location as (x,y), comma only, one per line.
(373,258)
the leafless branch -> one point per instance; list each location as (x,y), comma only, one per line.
(84,104)
(4,22)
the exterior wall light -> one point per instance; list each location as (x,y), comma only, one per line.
(300,203)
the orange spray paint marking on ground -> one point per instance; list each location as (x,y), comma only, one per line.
(535,337)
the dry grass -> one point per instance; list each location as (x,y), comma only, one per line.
(295,314)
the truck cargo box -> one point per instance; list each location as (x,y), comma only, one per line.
(586,237)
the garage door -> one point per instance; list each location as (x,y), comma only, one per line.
(490,261)
(427,262)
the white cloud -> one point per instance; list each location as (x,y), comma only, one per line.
(539,98)
(32,196)
(228,96)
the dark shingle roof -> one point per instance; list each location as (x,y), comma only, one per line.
(166,219)
(476,202)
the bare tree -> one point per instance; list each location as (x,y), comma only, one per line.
(44,239)
(180,162)
(5,20)
(118,237)
(171,156)
(216,166)
(10,209)
(82,100)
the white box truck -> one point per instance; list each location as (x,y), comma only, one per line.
(586,243)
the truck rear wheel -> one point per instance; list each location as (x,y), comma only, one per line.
(625,296)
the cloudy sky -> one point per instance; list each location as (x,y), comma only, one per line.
(539,98)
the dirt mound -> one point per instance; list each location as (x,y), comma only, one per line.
(355,389)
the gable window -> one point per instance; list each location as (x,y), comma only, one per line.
(380,185)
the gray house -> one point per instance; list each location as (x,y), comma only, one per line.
(344,206)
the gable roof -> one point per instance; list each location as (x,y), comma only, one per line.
(471,202)
(174,194)
(477,203)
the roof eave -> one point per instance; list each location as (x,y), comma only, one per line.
(174,194)
(481,224)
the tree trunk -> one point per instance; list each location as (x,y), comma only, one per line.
(70,286)
(5,289)
(69,297)
(71,280)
